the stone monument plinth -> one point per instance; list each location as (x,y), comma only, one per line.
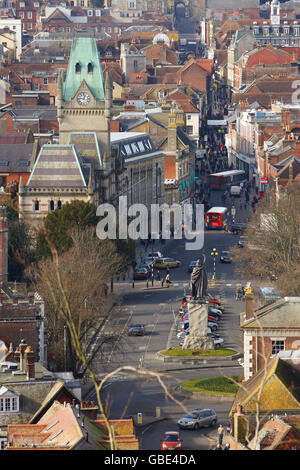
(198,317)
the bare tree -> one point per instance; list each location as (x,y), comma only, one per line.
(83,273)
(59,282)
(272,251)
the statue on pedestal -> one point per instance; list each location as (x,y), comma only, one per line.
(199,280)
(198,310)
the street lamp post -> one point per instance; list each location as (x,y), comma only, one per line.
(214,253)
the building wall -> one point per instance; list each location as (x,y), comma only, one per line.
(257,348)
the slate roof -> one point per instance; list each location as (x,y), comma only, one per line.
(57,166)
(88,147)
(283,313)
(16,158)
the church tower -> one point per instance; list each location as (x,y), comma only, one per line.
(84,101)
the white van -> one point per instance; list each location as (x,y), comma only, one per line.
(235,191)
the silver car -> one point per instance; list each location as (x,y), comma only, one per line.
(198,418)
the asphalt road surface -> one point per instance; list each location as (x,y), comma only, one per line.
(155,307)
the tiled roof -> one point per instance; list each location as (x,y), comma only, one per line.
(87,146)
(57,165)
(17,156)
(278,376)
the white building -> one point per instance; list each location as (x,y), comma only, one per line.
(15,25)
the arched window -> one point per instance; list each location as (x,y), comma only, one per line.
(77,67)
(36,206)
(51,205)
(90,67)
(58,204)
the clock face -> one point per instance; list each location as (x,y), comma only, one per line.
(83,98)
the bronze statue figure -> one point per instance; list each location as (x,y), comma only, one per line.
(199,280)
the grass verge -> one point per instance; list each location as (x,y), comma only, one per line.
(179,352)
(214,385)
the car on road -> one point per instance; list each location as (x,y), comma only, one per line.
(136,330)
(191,266)
(171,441)
(238,228)
(164,263)
(197,419)
(140,274)
(225,257)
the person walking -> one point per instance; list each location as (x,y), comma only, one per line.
(220,434)
(167,280)
(157,277)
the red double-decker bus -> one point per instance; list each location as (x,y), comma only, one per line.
(216,218)
(224,179)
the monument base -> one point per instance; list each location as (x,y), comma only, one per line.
(198,317)
(198,343)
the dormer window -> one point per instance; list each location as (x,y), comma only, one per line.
(90,67)
(9,401)
(78,67)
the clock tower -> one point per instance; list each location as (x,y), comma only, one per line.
(84,101)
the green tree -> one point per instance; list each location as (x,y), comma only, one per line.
(60,222)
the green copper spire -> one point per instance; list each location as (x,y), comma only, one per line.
(84,64)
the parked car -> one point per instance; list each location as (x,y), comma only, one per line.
(215,310)
(198,418)
(140,274)
(136,330)
(164,263)
(182,325)
(213,318)
(212,325)
(171,441)
(191,266)
(183,334)
(212,300)
(225,257)
(218,341)
(238,228)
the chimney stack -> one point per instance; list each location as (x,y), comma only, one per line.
(22,348)
(240,425)
(30,363)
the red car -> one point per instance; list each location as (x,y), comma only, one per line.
(140,273)
(171,441)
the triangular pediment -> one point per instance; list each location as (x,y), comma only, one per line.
(5,392)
